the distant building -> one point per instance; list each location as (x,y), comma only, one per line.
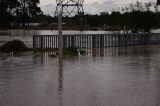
(33,24)
(14,24)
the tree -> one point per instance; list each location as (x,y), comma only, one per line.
(158,2)
(28,9)
(148,6)
(7,9)
(139,6)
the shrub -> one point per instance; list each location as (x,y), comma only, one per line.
(14,46)
(72,51)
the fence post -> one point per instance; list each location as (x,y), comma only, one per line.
(72,41)
(102,45)
(34,43)
(41,41)
(119,40)
(102,41)
(93,41)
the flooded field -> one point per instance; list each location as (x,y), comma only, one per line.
(120,77)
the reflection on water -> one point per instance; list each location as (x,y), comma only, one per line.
(109,77)
(60,79)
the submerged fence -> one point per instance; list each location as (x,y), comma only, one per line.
(90,41)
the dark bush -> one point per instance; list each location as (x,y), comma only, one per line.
(14,46)
(72,51)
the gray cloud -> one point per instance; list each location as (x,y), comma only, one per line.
(97,7)
(94,7)
(49,9)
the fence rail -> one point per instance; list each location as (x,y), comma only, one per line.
(90,41)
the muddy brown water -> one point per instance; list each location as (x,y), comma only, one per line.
(121,77)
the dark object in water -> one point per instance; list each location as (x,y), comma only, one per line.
(14,46)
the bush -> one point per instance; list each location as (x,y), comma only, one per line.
(72,51)
(14,46)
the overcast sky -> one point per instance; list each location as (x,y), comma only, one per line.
(91,6)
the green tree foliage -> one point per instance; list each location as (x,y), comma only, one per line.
(7,10)
(27,10)
(20,11)
(158,2)
(137,16)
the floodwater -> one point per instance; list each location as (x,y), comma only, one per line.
(121,77)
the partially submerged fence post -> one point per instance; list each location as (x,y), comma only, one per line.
(34,43)
(72,41)
(102,45)
(101,41)
(93,41)
(41,40)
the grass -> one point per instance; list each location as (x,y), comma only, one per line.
(36,54)
(72,51)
